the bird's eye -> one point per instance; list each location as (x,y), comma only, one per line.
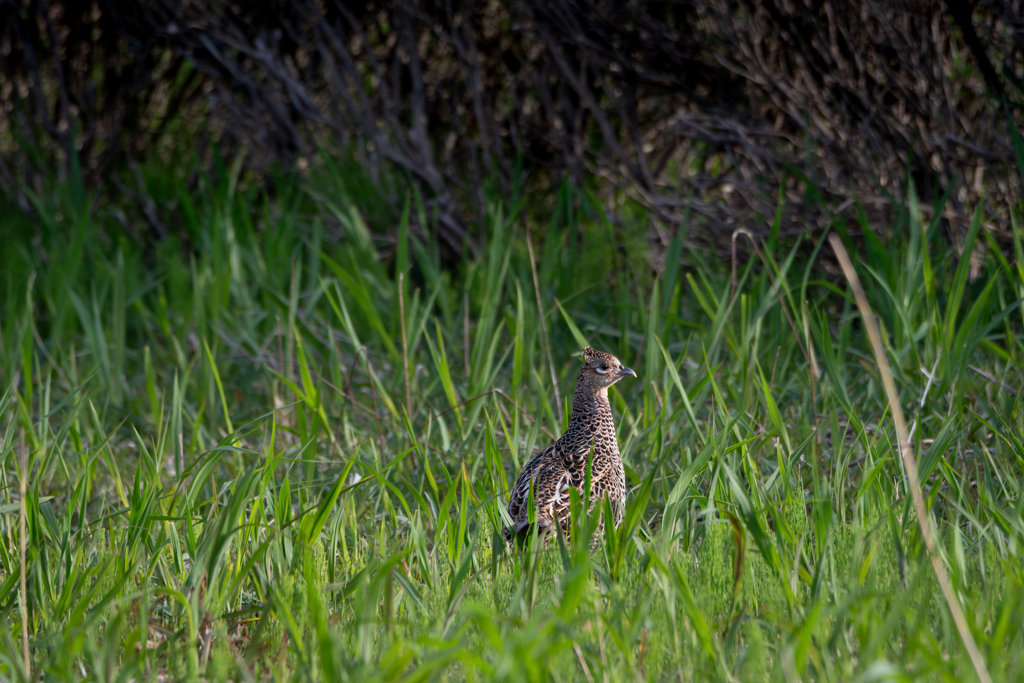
(603,369)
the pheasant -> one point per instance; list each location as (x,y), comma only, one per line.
(563,464)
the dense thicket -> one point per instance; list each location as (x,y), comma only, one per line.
(699,103)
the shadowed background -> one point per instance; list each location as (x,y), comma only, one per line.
(700,103)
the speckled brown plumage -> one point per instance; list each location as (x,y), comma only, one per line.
(563,464)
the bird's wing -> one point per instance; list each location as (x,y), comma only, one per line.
(575,462)
(571,474)
(539,471)
(603,478)
(606,481)
(558,502)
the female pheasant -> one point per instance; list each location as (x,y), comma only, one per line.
(563,464)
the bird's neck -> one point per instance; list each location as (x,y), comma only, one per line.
(587,403)
(591,421)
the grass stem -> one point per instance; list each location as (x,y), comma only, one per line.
(405,351)
(22,547)
(909,461)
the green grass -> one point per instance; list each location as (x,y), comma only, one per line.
(229,477)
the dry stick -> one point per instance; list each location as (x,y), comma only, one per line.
(544,328)
(909,462)
(524,413)
(991,378)
(21,549)
(46,352)
(346,395)
(583,662)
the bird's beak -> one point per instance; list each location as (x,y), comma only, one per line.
(626,371)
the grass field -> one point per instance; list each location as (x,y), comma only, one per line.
(284,452)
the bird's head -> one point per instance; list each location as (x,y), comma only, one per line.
(601,370)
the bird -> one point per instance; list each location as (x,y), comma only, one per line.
(562,465)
